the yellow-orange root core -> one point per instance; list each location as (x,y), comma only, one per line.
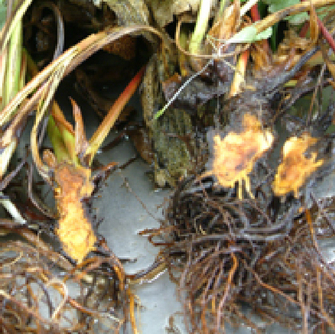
(236,153)
(74,227)
(295,168)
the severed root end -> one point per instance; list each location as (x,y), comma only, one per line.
(295,168)
(235,155)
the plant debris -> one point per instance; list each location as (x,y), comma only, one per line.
(221,85)
(224,252)
(42,291)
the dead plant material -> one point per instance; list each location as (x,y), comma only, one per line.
(232,258)
(125,47)
(100,104)
(42,292)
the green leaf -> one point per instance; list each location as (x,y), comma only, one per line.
(276,5)
(3,11)
(322,12)
(298,18)
(249,35)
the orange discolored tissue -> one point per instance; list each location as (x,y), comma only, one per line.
(296,166)
(74,226)
(235,155)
